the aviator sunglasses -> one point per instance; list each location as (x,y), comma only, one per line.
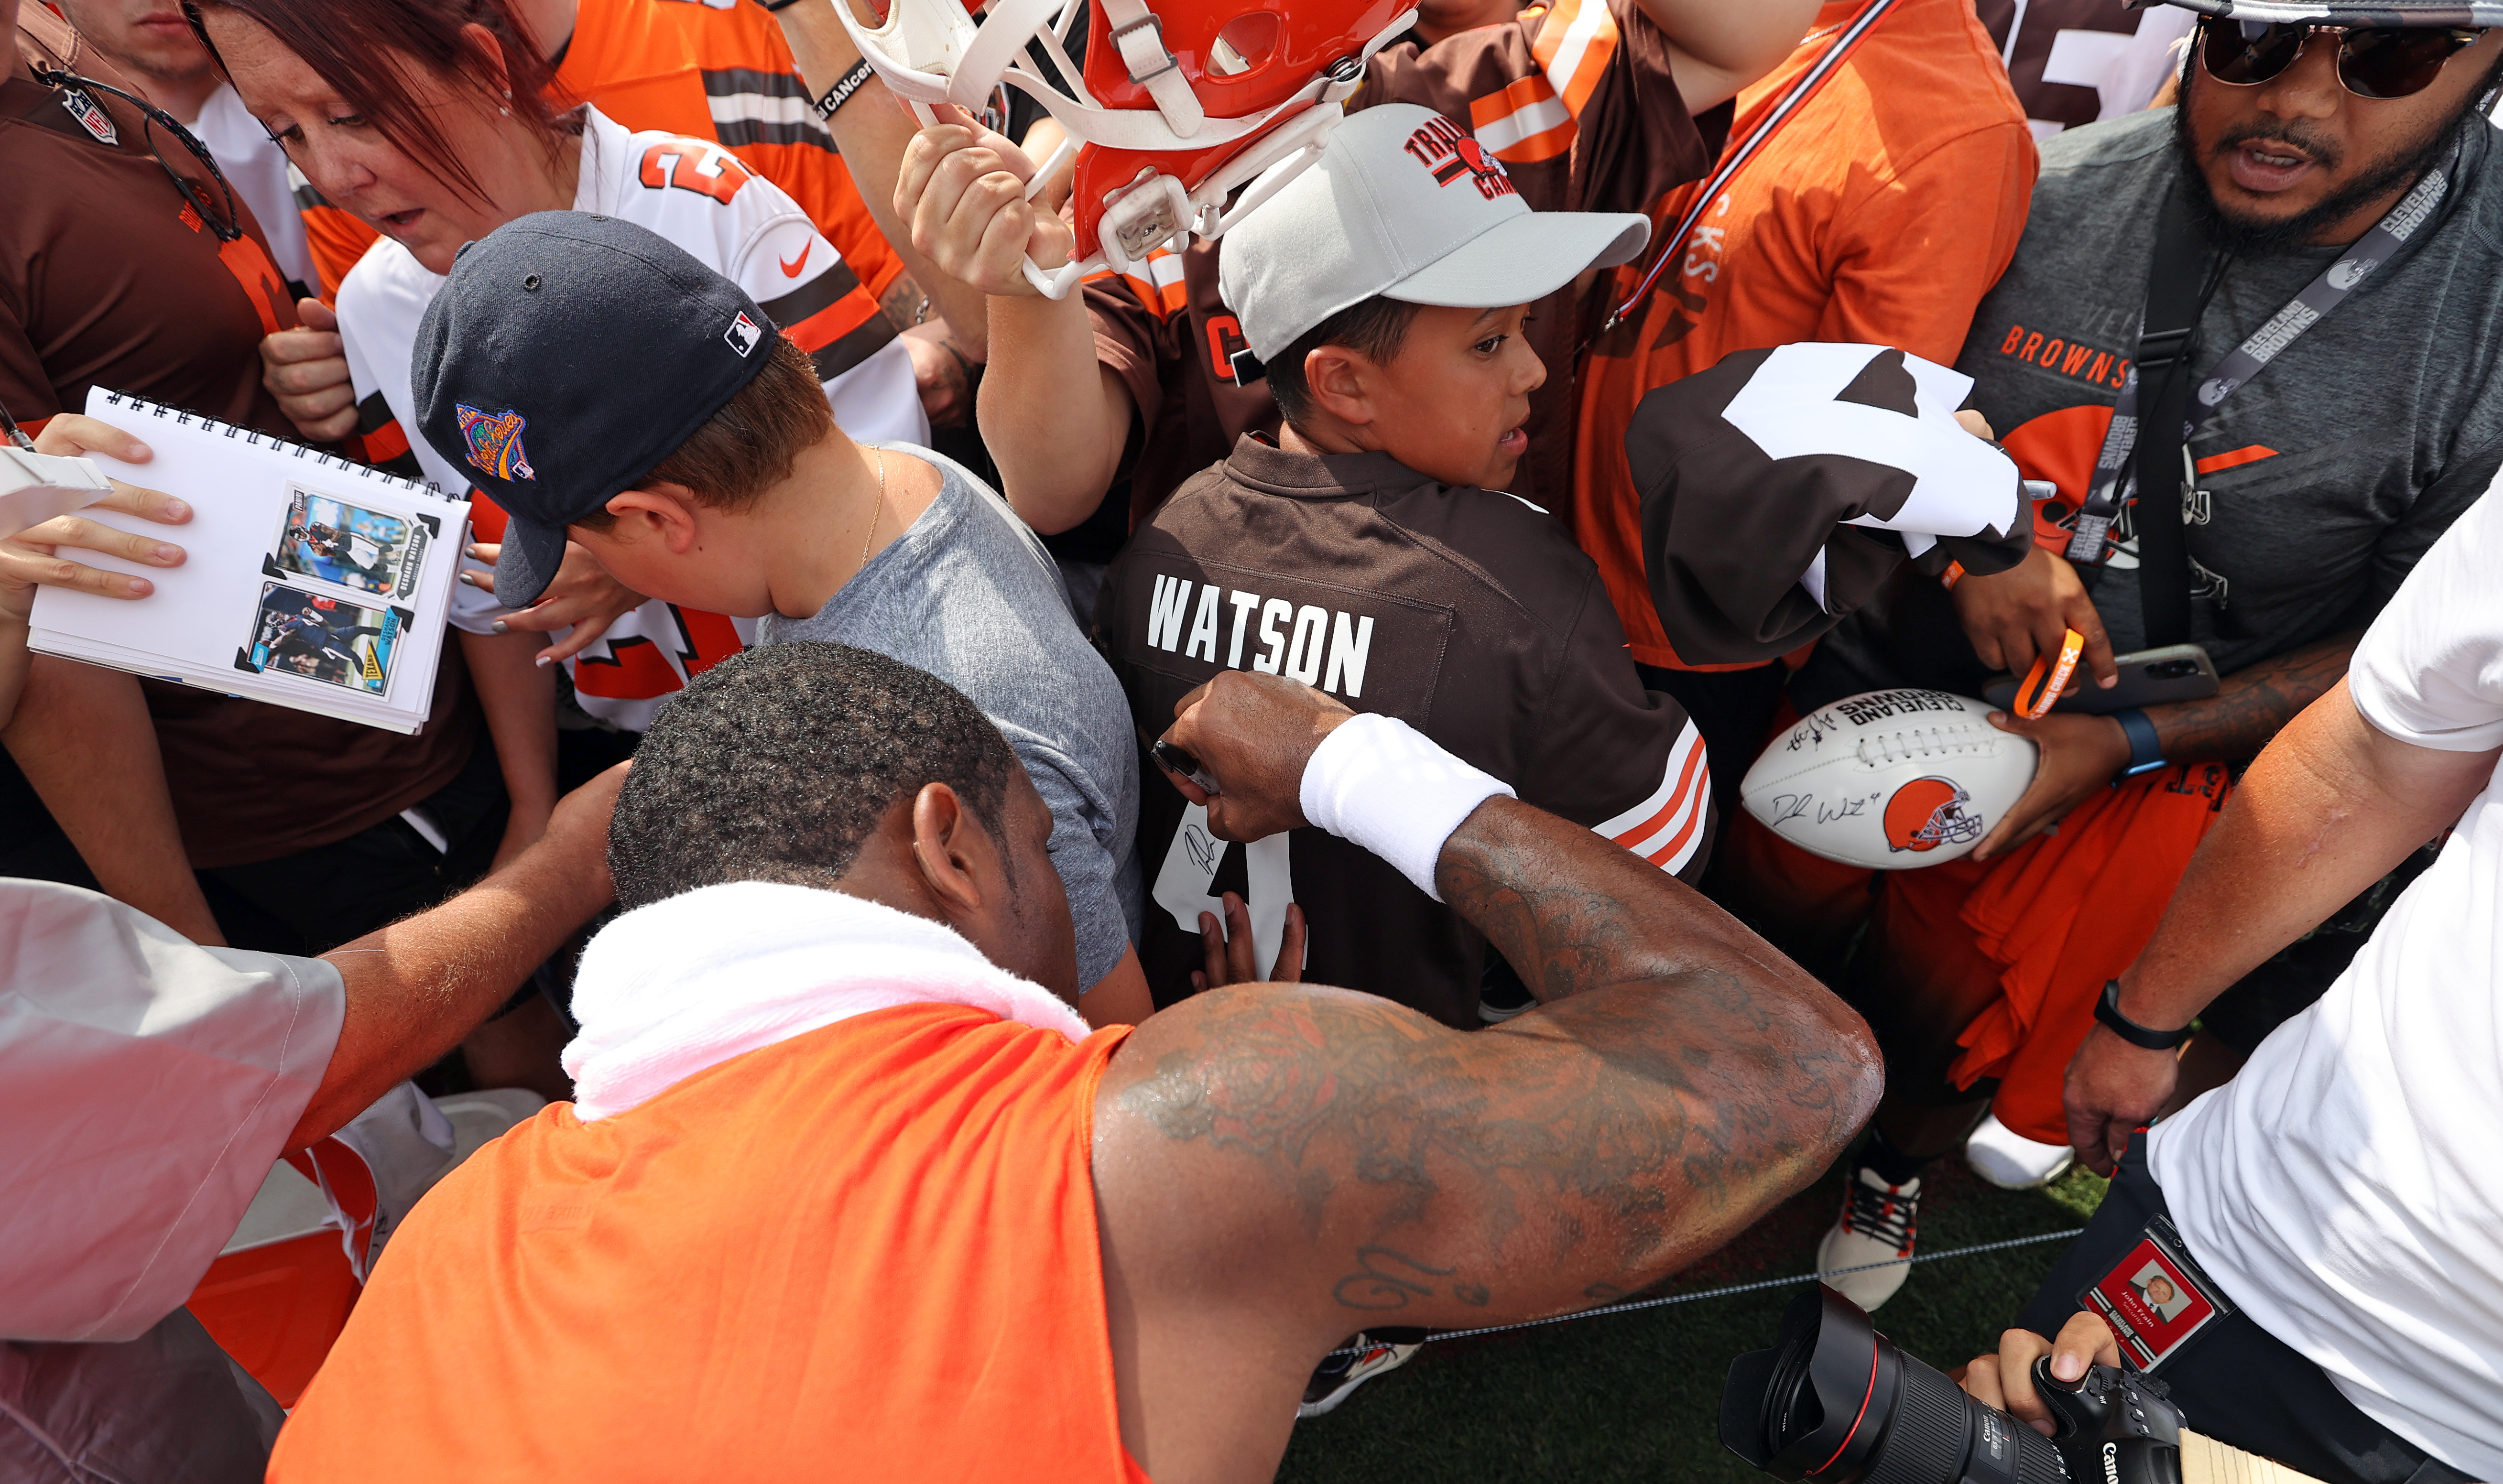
(2372,63)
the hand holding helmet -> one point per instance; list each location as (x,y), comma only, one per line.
(1174,109)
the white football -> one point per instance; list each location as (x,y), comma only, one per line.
(1891,779)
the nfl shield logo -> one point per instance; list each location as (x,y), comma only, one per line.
(743,334)
(92,116)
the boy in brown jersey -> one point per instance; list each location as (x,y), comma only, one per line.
(1367,552)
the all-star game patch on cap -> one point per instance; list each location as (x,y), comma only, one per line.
(1781,489)
(567,356)
(1404,203)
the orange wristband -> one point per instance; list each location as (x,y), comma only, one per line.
(2035,697)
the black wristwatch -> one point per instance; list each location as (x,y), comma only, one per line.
(2107,1010)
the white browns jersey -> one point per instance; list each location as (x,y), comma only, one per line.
(700,197)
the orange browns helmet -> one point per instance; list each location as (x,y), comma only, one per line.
(1927,813)
(1180,102)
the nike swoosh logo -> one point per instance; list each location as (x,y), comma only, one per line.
(790,268)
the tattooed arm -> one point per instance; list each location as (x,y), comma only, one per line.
(2081,752)
(1278,1166)
(2254,703)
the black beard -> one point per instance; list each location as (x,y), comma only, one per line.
(2243,236)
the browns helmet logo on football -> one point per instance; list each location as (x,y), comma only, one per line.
(1927,813)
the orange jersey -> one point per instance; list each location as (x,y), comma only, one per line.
(685,67)
(1880,212)
(867,1252)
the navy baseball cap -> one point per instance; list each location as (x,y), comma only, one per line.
(567,356)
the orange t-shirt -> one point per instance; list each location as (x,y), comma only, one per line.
(1881,212)
(722,74)
(867,1252)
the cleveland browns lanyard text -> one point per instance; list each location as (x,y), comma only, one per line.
(2087,543)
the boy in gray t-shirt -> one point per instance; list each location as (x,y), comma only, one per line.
(725,486)
(968,595)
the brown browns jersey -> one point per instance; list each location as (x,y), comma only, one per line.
(1578,102)
(1466,613)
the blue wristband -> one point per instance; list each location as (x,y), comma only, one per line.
(2145,752)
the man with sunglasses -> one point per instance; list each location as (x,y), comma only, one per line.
(2327,211)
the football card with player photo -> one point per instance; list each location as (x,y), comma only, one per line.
(353,546)
(296,632)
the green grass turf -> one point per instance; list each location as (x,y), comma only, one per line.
(1636,1397)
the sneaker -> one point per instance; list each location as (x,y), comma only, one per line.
(1341,1374)
(1879,1221)
(2010,1161)
(1497,1003)
(1501,994)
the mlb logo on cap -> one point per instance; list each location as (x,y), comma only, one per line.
(743,334)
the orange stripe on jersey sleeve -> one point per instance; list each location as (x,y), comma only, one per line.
(386,443)
(1573,47)
(834,321)
(1525,123)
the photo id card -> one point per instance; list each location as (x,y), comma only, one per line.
(2155,1299)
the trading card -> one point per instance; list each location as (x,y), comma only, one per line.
(333,541)
(294,632)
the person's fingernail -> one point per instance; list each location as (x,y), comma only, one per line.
(471,551)
(168,552)
(2043,1427)
(139,450)
(2067,1368)
(545,659)
(497,626)
(141,587)
(177,510)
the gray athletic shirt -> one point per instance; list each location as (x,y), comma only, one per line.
(2326,477)
(968,595)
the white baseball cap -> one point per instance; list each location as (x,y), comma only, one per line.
(1406,204)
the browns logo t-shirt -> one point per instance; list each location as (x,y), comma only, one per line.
(1466,613)
(2319,483)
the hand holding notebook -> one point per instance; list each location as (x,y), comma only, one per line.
(312,582)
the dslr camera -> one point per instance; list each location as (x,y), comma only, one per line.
(1836,1402)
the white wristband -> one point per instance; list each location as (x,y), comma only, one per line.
(1380,783)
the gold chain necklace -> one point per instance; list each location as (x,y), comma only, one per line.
(875,511)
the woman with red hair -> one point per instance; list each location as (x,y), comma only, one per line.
(431,120)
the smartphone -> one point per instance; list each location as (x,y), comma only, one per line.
(2177,672)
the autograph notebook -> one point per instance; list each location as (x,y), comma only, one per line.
(313,580)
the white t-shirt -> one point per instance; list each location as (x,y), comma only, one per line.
(257,168)
(2342,1187)
(699,197)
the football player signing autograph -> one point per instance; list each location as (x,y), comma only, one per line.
(842,1152)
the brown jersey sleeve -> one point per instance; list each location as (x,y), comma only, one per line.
(1576,98)
(1624,760)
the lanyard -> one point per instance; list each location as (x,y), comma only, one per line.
(2165,348)
(1806,88)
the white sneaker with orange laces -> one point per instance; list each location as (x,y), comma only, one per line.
(1879,1224)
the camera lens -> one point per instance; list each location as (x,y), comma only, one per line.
(1837,1401)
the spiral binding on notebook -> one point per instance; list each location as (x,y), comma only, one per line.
(259,440)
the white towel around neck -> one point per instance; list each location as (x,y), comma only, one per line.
(684,985)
